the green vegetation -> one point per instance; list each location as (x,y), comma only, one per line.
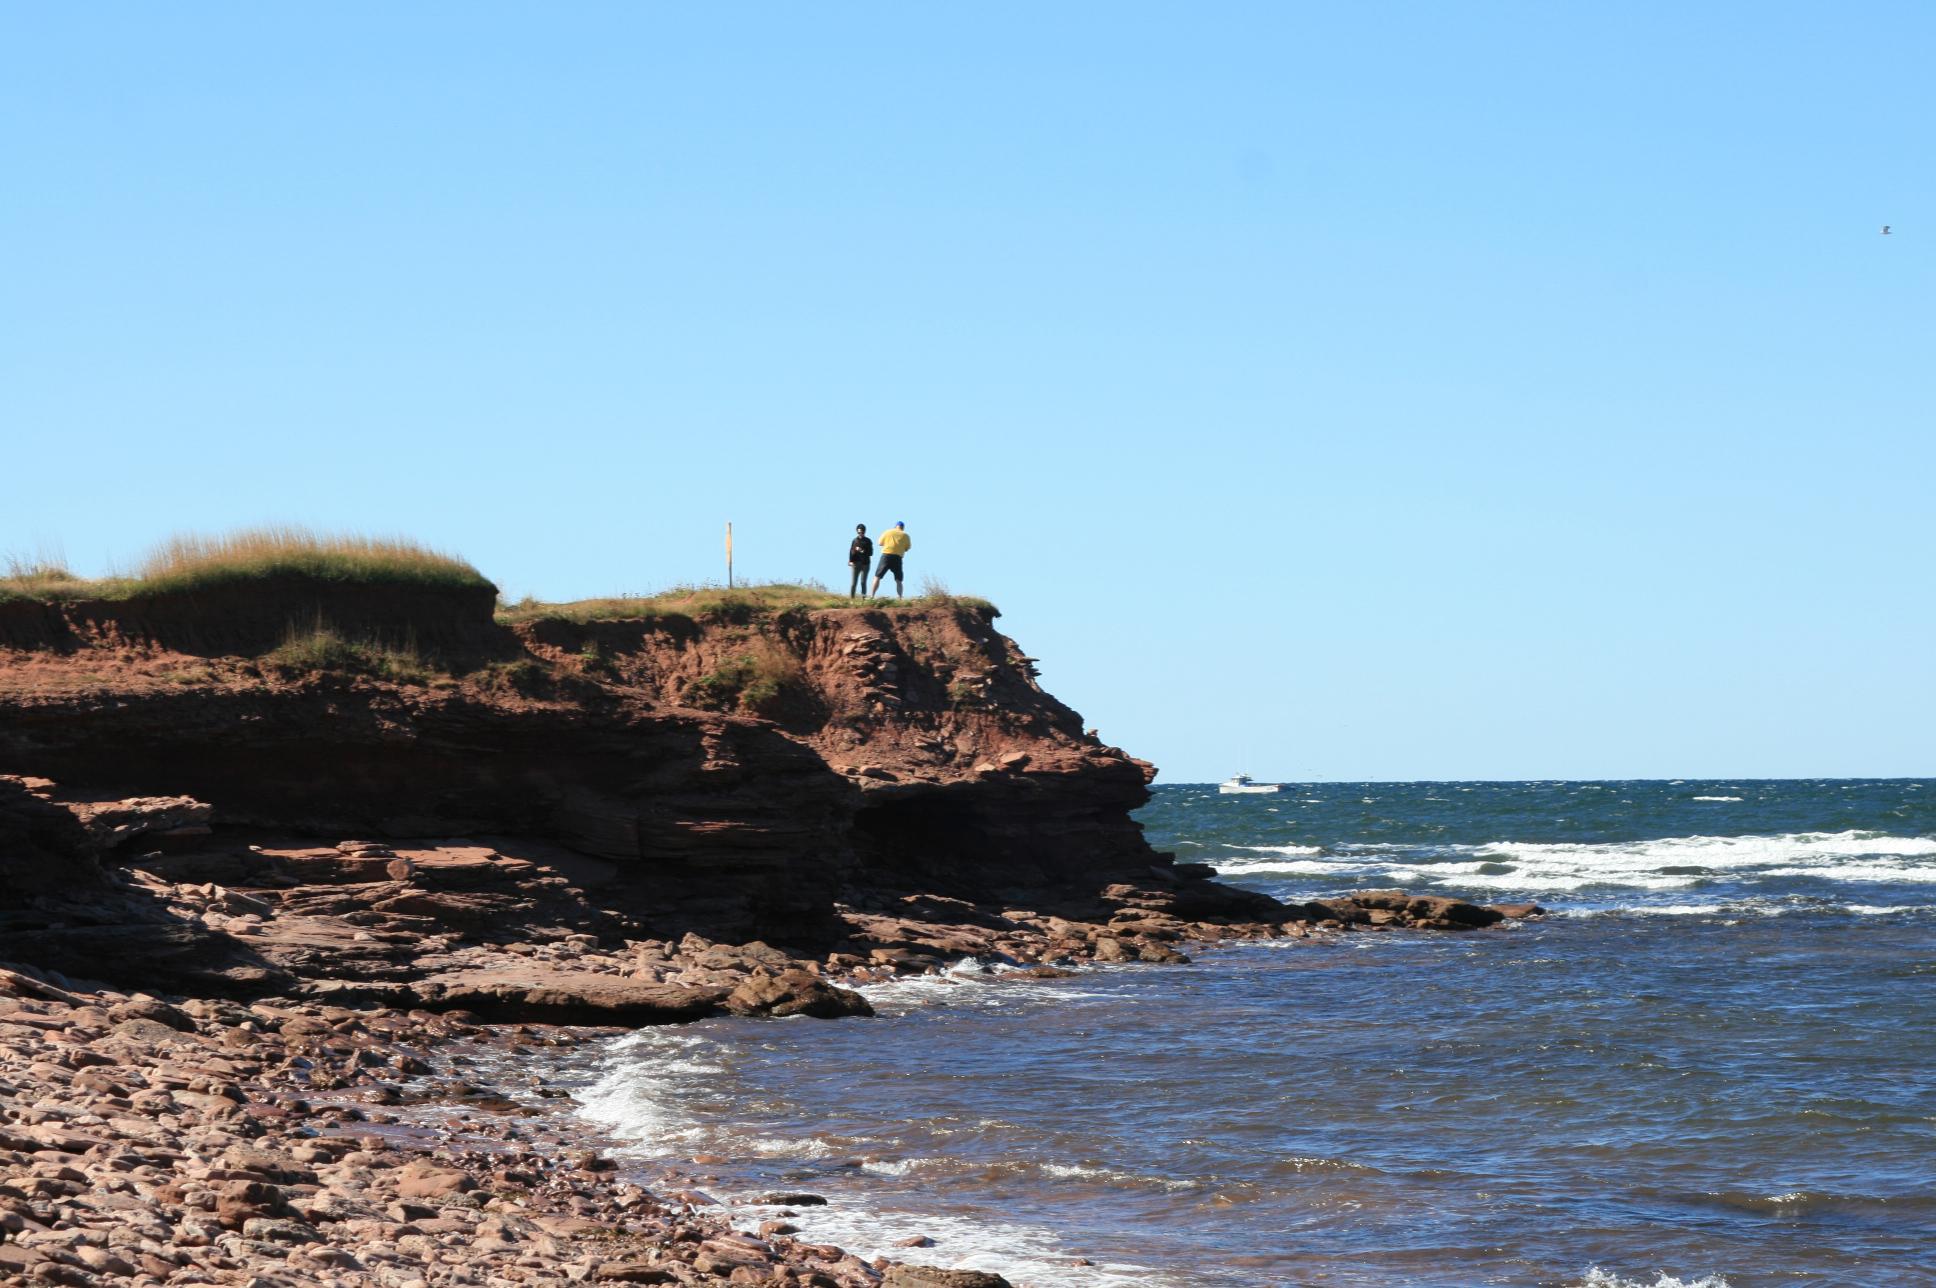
(716,604)
(525,676)
(753,682)
(322,649)
(193,563)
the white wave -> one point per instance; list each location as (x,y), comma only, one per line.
(1654,910)
(1715,798)
(1025,1254)
(1598,1278)
(895,1167)
(970,982)
(1086,1172)
(784,1147)
(1545,882)
(1857,871)
(1304,868)
(1668,863)
(1751,907)
(639,1097)
(1722,851)
(1281,849)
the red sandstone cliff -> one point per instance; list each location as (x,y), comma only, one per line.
(744,773)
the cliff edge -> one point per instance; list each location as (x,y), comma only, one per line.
(734,766)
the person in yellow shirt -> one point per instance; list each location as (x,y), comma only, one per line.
(894,543)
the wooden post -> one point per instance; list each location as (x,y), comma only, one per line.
(729,554)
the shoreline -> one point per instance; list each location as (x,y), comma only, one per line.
(297,1142)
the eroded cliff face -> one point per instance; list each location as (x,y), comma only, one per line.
(968,776)
(744,773)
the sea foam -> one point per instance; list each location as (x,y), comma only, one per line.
(1598,1278)
(1025,1254)
(1668,863)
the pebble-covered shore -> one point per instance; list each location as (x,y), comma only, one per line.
(207,1142)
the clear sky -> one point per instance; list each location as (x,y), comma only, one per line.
(1343,391)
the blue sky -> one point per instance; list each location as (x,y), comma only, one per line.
(1344,391)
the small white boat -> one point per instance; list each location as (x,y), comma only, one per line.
(1241,783)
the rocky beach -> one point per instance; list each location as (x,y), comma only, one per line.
(261,901)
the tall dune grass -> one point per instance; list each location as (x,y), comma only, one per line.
(184,562)
(39,577)
(192,562)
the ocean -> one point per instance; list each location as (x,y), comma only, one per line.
(1713,1064)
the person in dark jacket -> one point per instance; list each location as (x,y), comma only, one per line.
(859,554)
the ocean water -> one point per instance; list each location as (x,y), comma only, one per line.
(1715,1064)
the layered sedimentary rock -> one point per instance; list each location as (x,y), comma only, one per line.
(747,775)
(862,788)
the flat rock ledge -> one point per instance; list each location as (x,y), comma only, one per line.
(579,997)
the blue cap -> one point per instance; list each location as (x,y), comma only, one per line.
(900,523)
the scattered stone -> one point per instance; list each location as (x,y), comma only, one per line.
(422,1180)
(931,1277)
(795,992)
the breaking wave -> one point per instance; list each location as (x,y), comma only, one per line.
(1548,869)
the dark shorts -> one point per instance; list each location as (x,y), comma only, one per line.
(889,564)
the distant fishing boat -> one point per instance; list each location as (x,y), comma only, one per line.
(1241,783)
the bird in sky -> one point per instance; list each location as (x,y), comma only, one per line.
(1885,230)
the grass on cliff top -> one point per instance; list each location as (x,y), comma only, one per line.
(39,579)
(194,562)
(742,603)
